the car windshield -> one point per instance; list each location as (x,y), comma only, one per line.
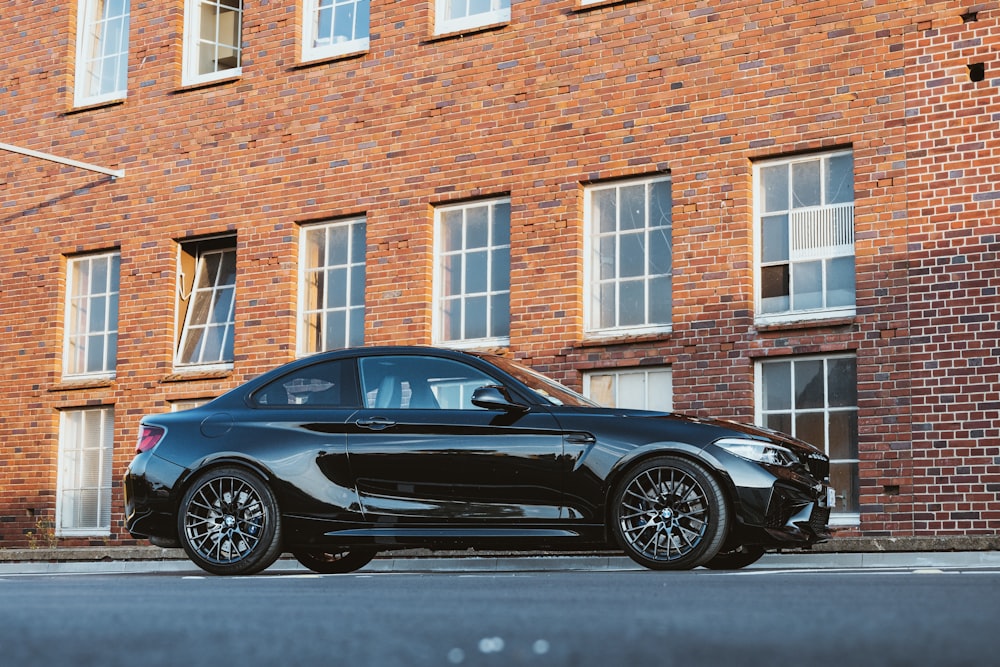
(552,391)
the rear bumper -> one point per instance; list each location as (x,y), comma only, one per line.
(150,504)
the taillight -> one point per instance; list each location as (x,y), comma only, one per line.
(149,437)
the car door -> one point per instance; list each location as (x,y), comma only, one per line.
(421,452)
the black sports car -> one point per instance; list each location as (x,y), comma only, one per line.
(340,455)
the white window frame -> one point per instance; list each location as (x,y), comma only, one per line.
(824,232)
(318,47)
(192,42)
(660,399)
(210,292)
(593,281)
(492,291)
(79,336)
(499,12)
(837,518)
(97,49)
(353,270)
(75,477)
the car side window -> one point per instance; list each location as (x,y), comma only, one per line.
(330,384)
(420,383)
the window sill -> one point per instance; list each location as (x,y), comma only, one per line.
(326,58)
(74,384)
(196,374)
(583,5)
(91,106)
(809,323)
(198,85)
(471,30)
(623,337)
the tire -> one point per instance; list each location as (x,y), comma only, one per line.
(335,562)
(229,522)
(669,513)
(736,559)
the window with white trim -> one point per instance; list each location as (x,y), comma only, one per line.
(472,277)
(91,345)
(804,220)
(816,399)
(86,445)
(332,286)
(101,51)
(334,27)
(649,388)
(458,15)
(207,302)
(628,251)
(213,35)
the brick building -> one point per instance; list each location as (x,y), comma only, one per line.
(776,212)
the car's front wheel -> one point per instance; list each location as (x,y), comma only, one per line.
(669,513)
(337,561)
(229,522)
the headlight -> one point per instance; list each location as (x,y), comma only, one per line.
(760,452)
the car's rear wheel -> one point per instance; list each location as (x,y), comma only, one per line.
(737,558)
(337,561)
(669,513)
(229,522)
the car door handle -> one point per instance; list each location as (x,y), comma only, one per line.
(375,423)
(581,438)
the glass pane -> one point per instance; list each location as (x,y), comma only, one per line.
(208,269)
(633,211)
(500,316)
(840,282)
(660,391)
(843,382)
(774,288)
(774,238)
(451,314)
(475,317)
(609,305)
(632,257)
(632,391)
(357,326)
(607,257)
(227,270)
(362,20)
(451,230)
(806,184)
(324,26)
(660,249)
(313,333)
(478,7)
(451,268)
(96,315)
(604,210)
(632,309)
(844,479)
(501,224)
(359,231)
(315,248)
(314,290)
(810,426)
(660,203)
(475,272)
(338,245)
(840,179)
(775,182)
(95,354)
(212,347)
(336,288)
(844,435)
(477,227)
(500,270)
(336,330)
(223,309)
(807,279)
(602,389)
(208,22)
(660,300)
(777,379)
(358,285)
(810,384)
(191,353)
(344,23)
(779,422)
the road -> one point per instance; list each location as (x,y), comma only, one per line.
(755,617)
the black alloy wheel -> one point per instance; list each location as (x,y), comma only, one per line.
(335,562)
(670,514)
(229,522)
(737,558)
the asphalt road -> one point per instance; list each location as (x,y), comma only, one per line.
(755,617)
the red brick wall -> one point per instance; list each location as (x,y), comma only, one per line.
(560,97)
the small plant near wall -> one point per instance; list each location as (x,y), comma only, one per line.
(43,536)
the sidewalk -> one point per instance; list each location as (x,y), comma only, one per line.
(134,560)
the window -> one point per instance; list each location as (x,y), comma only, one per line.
(330,384)
(804,210)
(420,383)
(816,399)
(639,389)
(629,252)
(458,15)
(332,285)
(101,51)
(207,302)
(213,38)
(334,27)
(91,344)
(85,456)
(472,286)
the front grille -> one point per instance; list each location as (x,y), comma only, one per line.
(819,519)
(818,464)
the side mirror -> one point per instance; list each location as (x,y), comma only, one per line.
(494,397)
